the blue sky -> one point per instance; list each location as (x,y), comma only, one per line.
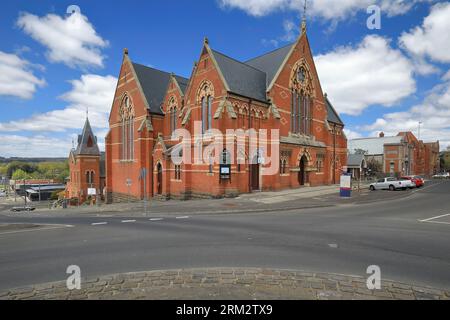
(53,65)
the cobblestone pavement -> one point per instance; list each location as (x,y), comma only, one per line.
(226,283)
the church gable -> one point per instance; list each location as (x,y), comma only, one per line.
(300,59)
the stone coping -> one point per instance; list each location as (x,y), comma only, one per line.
(226,284)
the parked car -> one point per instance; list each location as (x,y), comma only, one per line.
(24,208)
(444,175)
(389,184)
(2,194)
(409,181)
(419,182)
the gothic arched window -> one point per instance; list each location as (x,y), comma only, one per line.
(127,129)
(302,96)
(172,110)
(205,97)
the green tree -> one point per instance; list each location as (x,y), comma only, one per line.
(24,166)
(20,174)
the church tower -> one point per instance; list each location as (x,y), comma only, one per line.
(85,162)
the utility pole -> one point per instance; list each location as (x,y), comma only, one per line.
(25,189)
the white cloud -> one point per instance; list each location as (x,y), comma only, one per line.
(352,134)
(328,9)
(91,91)
(71,40)
(17,78)
(432,39)
(291,31)
(35,146)
(434,113)
(446,76)
(373,73)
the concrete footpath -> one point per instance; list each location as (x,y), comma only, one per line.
(226,283)
(257,202)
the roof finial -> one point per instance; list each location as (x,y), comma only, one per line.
(125,51)
(304,18)
(206,40)
(87,113)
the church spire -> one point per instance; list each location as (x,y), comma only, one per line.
(304,18)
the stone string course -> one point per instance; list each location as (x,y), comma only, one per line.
(211,284)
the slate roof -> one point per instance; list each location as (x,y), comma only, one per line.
(242,79)
(373,146)
(183,83)
(271,62)
(154,84)
(83,147)
(355,160)
(333,116)
(250,79)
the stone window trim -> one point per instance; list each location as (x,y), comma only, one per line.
(127,118)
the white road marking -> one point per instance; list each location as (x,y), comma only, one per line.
(43,228)
(435,218)
(99,223)
(185,217)
(128,221)
(156,219)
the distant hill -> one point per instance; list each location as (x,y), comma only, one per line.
(31,160)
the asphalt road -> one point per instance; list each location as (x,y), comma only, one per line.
(400,236)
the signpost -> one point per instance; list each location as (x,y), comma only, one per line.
(143,176)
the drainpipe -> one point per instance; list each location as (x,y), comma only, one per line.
(334,155)
(250,173)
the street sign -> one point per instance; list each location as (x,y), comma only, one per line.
(92,192)
(143,174)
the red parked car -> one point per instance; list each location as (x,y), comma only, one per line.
(417,180)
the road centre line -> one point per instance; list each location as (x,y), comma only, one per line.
(156,219)
(99,223)
(435,218)
(184,217)
(128,221)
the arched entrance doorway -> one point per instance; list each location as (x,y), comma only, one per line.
(302,175)
(159,180)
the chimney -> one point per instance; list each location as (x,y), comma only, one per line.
(381,134)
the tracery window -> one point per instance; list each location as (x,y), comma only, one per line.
(301,99)
(127,129)
(205,97)
(172,109)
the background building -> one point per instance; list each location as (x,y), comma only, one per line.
(398,155)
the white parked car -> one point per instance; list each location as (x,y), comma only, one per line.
(2,194)
(444,175)
(389,184)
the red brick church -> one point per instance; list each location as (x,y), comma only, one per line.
(278,90)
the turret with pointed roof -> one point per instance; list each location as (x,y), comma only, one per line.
(87,142)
